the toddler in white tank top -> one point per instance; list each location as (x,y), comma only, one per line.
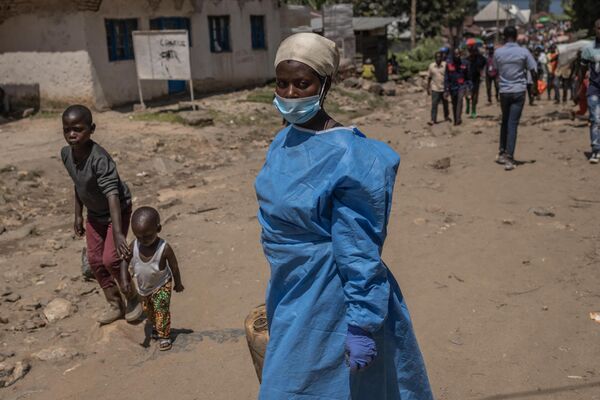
(154,269)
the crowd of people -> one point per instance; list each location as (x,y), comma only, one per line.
(522,69)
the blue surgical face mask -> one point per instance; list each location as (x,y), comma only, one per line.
(299,111)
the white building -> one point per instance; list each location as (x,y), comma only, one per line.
(81,50)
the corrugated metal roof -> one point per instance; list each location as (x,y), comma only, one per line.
(371,23)
(494,8)
(358,23)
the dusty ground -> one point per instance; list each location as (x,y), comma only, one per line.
(499,295)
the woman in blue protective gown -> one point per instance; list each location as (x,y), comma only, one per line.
(338,324)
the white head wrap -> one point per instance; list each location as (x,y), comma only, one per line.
(319,53)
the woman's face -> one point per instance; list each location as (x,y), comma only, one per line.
(296,80)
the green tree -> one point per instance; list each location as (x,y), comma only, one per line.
(583,13)
(432,15)
(537,6)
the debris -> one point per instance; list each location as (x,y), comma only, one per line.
(453,275)
(20,233)
(58,309)
(55,354)
(47,262)
(203,210)
(389,89)
(19,370)
(523,292)
(11,298)
(542,212)
(508,221)
(442,163)
(351,83)
(28,112)
(198,118)
(595,316)
(169,204)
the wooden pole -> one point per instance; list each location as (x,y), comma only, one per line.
(413,24)
(497,21)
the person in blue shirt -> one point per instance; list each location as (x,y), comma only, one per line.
(338,324)
(590,56)
(513,63)
(457,83)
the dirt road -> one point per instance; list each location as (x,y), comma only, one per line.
(499,269)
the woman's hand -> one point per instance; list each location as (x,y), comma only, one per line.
(361,349)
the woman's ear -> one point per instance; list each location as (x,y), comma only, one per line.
(159,228)
(92,128)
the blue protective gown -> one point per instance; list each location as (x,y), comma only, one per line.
(325,199)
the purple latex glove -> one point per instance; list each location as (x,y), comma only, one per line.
(360,348)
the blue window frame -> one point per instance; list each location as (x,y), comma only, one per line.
(164,23)
(119,39)
(218,27)
(257,27)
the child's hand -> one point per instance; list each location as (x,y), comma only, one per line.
(179,287)
(78,226)
(125,286)
(121,246)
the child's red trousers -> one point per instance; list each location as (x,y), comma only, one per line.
(102,255)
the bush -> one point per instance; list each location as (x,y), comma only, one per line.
(414,61)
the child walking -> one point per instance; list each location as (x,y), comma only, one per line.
(154,268)
(98,187)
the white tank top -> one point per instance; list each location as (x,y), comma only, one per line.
(147,276)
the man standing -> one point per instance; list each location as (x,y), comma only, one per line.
(552,79)
(512,63)
(491,74)
(435,88)
(590,56)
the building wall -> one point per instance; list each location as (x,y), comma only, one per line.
(66,54)
(45,54)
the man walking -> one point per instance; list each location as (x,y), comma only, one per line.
(457,83)
(590,56)
(491,74)
(435,88)
(512,63)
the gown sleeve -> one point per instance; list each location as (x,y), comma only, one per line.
(361,205)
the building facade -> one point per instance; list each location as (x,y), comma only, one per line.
(81,51)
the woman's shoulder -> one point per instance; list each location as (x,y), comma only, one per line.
(363,155)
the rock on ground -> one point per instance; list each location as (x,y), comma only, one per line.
(58,309)
(9,374)
(55,354)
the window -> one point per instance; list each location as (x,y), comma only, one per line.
(257,27)
(118,38)
(219,34)
(163,23)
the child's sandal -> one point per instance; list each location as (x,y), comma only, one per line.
(164,344)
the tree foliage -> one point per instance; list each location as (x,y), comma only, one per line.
(539,5)
(432,15)
(583,13)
